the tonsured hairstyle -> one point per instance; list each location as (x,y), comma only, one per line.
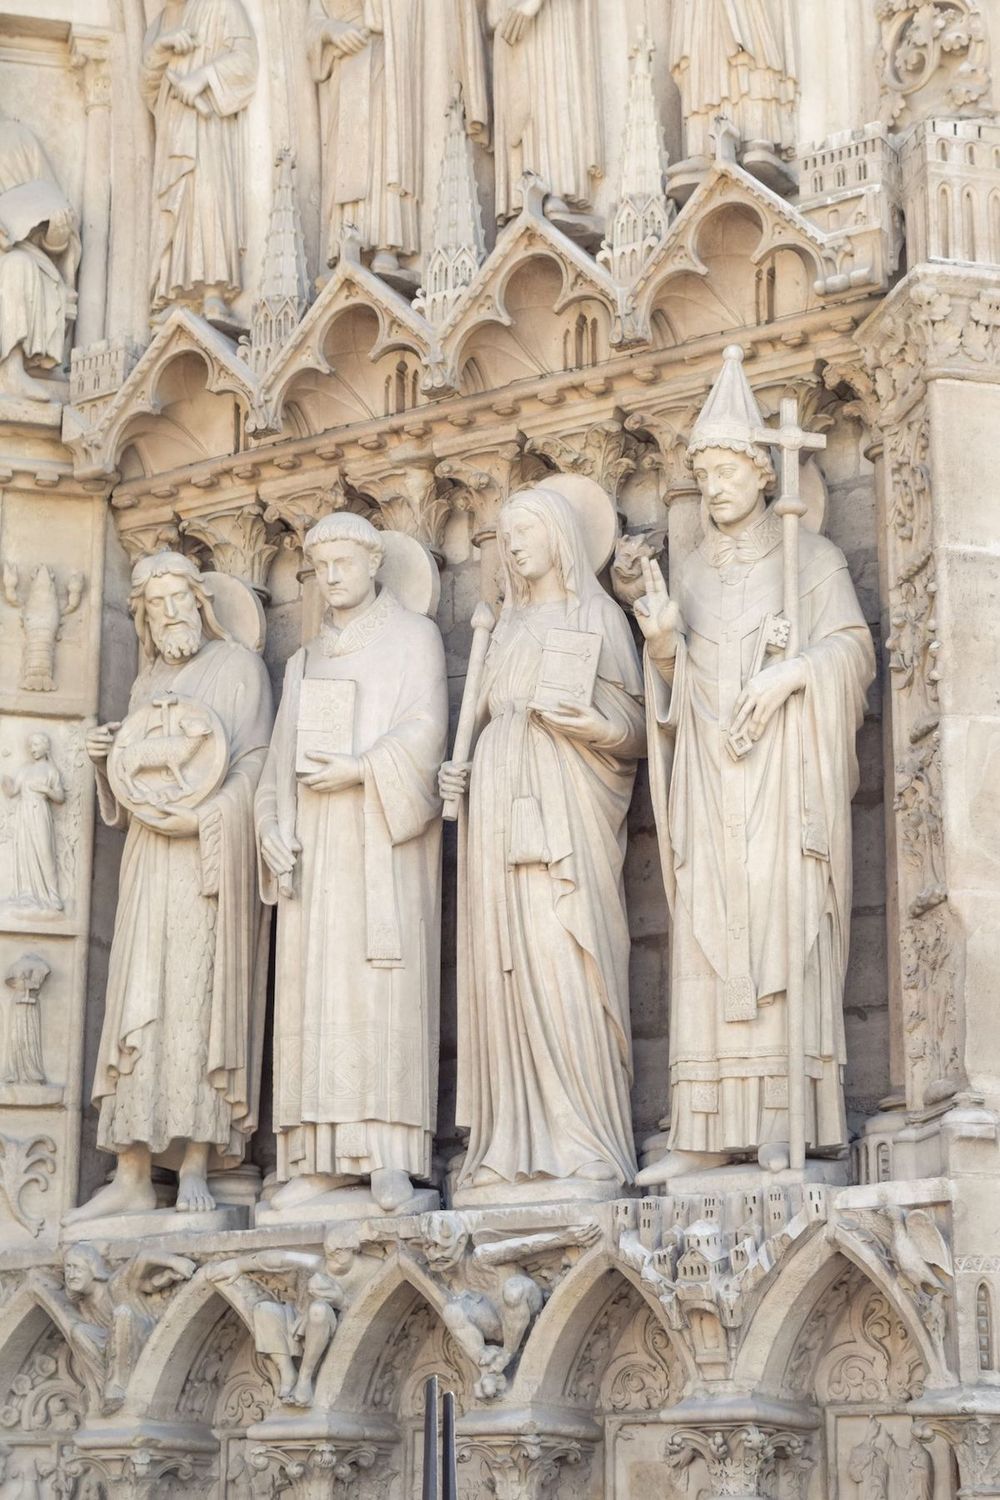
(155,566)
(345,526)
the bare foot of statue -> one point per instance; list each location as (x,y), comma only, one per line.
(15,380)
(391,1188)
(130,1191)
(598,1171)
(303,1392)
(193,1196)
(306,1186)
(774,1157)
(287,1372)
(676,1163)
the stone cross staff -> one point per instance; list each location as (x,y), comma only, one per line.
(790,439)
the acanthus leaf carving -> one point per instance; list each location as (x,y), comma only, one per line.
(745,1460)
(935,57)
(604,451)
(239,541)
(26,1162)
(410,499)
(520,1468)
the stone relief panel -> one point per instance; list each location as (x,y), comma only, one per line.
(42,795)
(935,59)
(35,1027)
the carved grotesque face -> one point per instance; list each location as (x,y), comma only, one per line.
(173,616)
(39,746)
(732,486)
(528,543)
(78,1274)
(345,572)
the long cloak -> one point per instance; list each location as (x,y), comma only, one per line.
(547,104)
(36,871)
(36,296)
(371,123)
(737,58)
(180,1050)
(199,229)
(721,827)
(356,1003)
(544,1038)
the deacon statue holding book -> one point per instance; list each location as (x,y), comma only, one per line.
(545,1055)
(349,826)
(756,672)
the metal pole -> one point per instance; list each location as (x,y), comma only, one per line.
(449,1459)
(429,1489)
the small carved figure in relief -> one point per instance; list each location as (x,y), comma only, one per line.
(35,789)
(177,1069)
(736,58)
(364,56)
(39,253)
(293,1335)
(348,819)
(42,613)
(106,1314)
(728,713)
(546,101)
(544,1036)
(23,1061)
(199,73)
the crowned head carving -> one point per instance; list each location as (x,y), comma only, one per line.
(731,465)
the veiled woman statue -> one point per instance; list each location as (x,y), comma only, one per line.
(34,789)
(544,1037)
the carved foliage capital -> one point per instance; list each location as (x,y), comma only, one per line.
(240,542)
(410,499)
(745,1460)
(976,1442)
(520,1468)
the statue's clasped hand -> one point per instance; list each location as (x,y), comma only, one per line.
(100,739)
(278,856)
(334,772)
(578,722)
(764,694)
(453,778)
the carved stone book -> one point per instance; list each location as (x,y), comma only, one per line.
(569,668)
(326,719)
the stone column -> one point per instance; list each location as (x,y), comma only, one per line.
(669,428)
(484,478)
(89,51)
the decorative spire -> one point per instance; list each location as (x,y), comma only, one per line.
(730,417)
(284,292)
(459,248)
(643,213)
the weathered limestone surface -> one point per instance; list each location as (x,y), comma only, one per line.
(362,351)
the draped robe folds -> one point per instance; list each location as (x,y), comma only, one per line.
(36,286)
(546,102)
(199,230)
(737,58)
(36,879)
(356,1002)
(545,1053)
(721,827)
(181,1045)
(370,121)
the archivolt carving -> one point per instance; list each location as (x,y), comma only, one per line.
(864,1353)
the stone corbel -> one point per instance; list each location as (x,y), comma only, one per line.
(135,1466)
(974,1437)
(411,499)
(240,543)
(525,1467)
(311,1470)
(743,1461)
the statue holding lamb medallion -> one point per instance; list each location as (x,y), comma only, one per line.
(756,671)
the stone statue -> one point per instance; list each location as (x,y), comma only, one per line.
(177,1070)
(546,101)
(348,819)
(23,1056)
(544,1036)
(106,1314)
(199,73)
(39,254)
(363,57)
(35,789)
(291,1336)
(717,686)
(736,58)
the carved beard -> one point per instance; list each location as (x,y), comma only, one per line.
(177,641)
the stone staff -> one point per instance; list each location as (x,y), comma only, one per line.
(483,620)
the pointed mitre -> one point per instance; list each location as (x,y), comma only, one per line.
(730,417)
